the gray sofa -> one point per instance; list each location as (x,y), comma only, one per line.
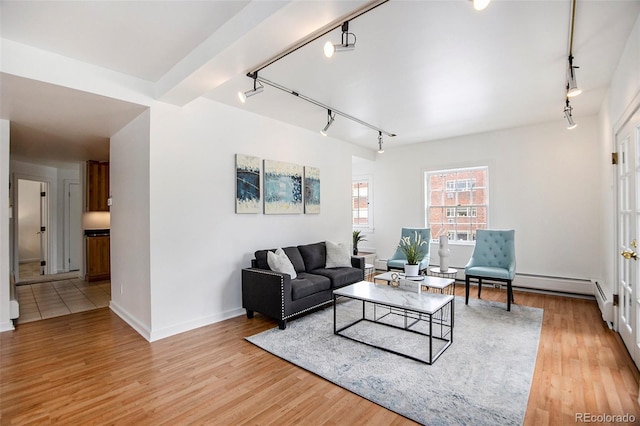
(276,295)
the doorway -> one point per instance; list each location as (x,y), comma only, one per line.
(32,229)
(627,141)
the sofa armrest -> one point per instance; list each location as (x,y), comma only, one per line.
(358,262)
(265,292)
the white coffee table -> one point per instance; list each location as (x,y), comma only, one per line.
(426,314)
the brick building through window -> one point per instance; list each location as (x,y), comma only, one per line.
(457,202)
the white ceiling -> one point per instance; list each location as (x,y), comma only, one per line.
(424,70)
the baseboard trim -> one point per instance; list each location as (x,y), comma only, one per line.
(7,326)
(192,325)
(131,320)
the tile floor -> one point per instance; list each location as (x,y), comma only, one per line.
(51,299)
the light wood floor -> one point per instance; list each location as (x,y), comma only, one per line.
(91,368)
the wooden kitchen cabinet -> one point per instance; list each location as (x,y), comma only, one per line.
(98,258)
(97,186)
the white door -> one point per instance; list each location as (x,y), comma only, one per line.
(628,218)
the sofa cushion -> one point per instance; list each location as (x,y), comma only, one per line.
(337,255)
(314,256)
(294,256)
(308,284)
(279,261)
(292,253)
(340,276)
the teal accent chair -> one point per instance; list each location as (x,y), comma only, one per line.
(398,260)
(493,259)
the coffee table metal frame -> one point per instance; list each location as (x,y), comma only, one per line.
(413,307)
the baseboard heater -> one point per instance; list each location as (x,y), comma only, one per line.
(562,285)
(605,298)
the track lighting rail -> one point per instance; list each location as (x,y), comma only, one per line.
(320,104)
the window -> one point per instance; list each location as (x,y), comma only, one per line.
(457,202)
(460,184)
(360,203)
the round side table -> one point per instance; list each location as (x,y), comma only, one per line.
(449,273)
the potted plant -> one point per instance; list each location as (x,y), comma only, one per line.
(357,237)
(413,250)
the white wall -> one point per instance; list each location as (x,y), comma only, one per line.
(198,244)
(625,83)
(5,270)
(544,183)
(129,219)
(623,97)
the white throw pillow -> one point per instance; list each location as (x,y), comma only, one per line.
(337,255)
(279,262)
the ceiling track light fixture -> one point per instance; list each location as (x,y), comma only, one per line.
(330,119)
(480,4)
(257,88)
(380,148)
(568,109)
(572,86)
(343,23)
(330,48)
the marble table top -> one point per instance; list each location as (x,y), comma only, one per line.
(426,303)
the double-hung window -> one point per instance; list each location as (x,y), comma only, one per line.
(361,202)
(457,202)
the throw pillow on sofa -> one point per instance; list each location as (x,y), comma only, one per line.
(279,262)
(337,255)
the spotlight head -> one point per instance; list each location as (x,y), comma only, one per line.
(330,48)
(572,85)
(567,115)
(330,119)
(380,149)
(244,95)
(480,4)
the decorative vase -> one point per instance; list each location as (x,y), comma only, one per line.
(355,251)
(443,253)
(411,270)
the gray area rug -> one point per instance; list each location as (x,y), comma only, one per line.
(483,378)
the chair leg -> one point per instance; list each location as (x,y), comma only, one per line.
(466,290)
(479,287)
(509,295)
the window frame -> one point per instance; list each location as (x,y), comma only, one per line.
(449,190)
(369,180)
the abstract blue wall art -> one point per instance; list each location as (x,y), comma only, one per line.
(311,190)
(247,184)
(282,188)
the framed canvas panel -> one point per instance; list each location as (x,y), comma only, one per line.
(311,190)
(282,187)
(248,184)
